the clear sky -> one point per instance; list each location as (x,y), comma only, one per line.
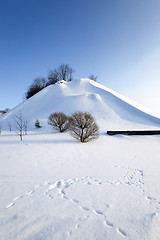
(117,40)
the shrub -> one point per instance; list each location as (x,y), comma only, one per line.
(83,127)
(59,121)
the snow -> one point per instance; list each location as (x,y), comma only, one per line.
(111,110)
(54,187)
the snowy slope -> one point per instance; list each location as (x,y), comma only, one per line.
(111,110)
(54,187)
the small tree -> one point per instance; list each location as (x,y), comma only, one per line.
(20,125)
(65,72)
(59,121)
(37,85)
(37,124)
(84,127)
(53,77)
(93,77)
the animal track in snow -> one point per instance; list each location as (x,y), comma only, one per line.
(61,185)
(109,224)
(123,233)
(97,212)
(135,177)
(84,208)
(59,188)
(22,196)
(30,192)
(10,205)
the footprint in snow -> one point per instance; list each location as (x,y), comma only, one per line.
(97,212)
(16,198)
(75,200)
(30,192)
(122,232)
(109,224)
(58,184)
(84,208)
(10,205)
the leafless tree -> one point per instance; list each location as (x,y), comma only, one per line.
(37,85)
(20,125)
(53,77)
(59,121)
(83,127)
(63,72)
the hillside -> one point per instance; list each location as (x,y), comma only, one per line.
(54,187)
(111,110)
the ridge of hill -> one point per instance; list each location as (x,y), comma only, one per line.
(110,109)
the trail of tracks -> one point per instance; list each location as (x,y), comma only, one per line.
(132,177)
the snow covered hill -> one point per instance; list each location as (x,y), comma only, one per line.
(54,187)
(111,110)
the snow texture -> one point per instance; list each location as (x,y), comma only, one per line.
(53,187)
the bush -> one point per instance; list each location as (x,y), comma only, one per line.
(59,121)
(83,127)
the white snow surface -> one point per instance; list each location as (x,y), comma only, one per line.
(111,110)
(54,187)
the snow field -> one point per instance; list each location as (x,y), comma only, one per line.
(53,187)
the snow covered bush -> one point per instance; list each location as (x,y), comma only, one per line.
(83,127)
(59,121)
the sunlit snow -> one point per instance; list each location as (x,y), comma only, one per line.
(54,187)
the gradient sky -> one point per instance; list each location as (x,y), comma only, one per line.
(117,40)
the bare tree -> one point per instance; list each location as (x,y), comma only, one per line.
(37,85)
(83,127)
(59,121)
(93,77)
(53,77)
(21,125)
(63,72)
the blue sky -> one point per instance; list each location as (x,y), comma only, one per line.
(117,40)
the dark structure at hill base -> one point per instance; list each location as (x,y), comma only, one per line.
(137,132)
